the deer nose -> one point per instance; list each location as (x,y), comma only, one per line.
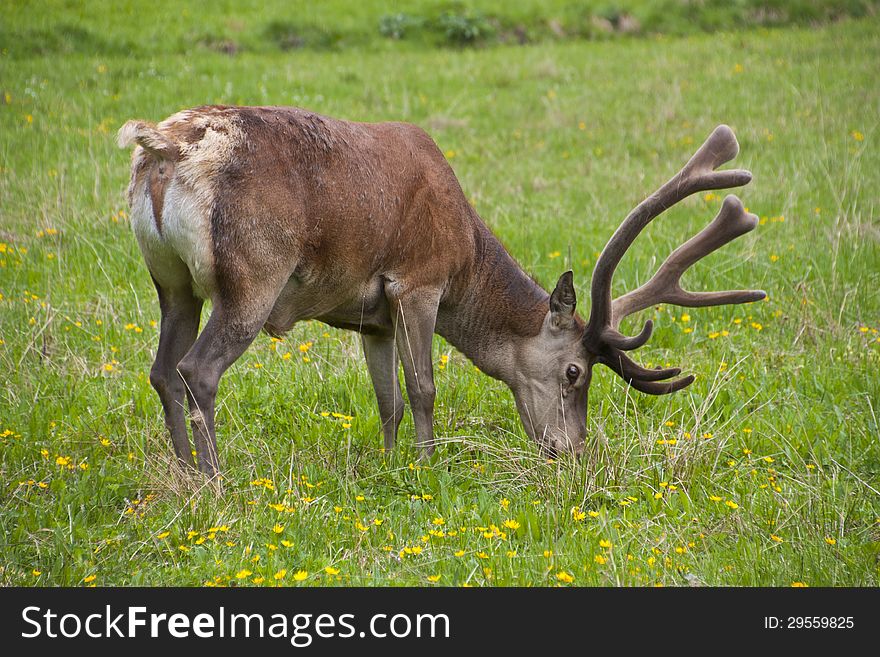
(562,443)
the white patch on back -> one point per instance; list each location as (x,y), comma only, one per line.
(183,254)
(184,251)
(186,228)
(200,162)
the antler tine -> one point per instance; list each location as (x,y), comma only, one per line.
(731,222)
(627,370)
(662,387)
(697,175)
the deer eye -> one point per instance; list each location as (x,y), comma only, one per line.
(572,373)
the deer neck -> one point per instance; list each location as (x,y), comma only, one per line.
(492,308)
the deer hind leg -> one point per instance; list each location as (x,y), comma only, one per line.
(181,312)
(381,355)
(226,336)
(414,315)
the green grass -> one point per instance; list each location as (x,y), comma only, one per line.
(232,26)
(553,143)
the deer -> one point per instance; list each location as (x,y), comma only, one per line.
(278,215)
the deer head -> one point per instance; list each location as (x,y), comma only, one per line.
(553,407)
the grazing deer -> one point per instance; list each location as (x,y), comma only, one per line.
(279,215)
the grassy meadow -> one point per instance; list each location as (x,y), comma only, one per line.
(763,472)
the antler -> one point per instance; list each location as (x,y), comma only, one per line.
(601,336)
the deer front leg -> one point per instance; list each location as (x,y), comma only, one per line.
(225,337)
(414,315)
(180,325)
(381,356)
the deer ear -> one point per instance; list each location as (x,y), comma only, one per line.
(563,302)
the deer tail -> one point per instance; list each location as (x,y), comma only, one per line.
(149,137)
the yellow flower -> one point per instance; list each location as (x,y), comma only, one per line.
(685,317)
(732,504)
(604,543)
(243,574)
(90,578)
(554,254)
(280,574)
(459,553)
(577,515)
(599,559)
(278,528)
(593,514)
(799,585)
(330,570)
(714,498)
(300,575)
(858,136)
(504,503)
(564,577)
(511,524)
(482,555)
(830,540)
(777,539)
(36,573)
(433,578)
(165,534)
